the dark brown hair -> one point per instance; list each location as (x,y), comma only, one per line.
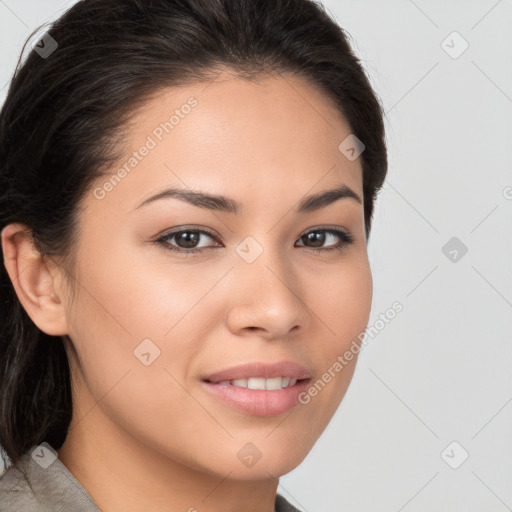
(63,123)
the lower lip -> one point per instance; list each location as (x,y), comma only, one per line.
(259,402)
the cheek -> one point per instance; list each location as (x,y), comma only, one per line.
(118,307)
(136,296)
(343,302)
(125,301)
(342,306)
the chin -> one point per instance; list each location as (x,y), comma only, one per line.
(272,466)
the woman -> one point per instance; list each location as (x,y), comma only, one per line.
(187,189)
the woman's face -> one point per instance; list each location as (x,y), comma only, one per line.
(151,325)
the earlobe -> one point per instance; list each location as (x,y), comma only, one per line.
(36,285)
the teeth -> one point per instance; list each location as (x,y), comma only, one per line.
(256,383)
(261,383)
(275,383)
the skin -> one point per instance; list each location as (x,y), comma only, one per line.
(149,437)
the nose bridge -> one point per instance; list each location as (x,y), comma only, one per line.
(262,257)
(267,289)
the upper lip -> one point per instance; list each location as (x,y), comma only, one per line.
(260,369)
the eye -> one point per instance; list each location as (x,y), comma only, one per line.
(319,236)
(186,240)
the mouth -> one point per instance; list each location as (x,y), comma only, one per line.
(259,373)
(259,389)
(260,383)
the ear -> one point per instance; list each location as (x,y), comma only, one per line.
(37,284)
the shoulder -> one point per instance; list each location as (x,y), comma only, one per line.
(282,505)
(42,484)
(16,493)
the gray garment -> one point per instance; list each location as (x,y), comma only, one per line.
(55,489)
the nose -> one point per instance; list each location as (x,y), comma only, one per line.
(267,298)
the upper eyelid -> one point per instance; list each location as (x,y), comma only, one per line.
(185,229)
(335,229)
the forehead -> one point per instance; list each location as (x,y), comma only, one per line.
(276,135)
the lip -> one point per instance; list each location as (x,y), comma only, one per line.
(258,402)
(260,369)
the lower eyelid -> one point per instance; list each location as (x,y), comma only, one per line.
(345,238)
(164,239)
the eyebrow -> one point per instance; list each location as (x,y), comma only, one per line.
(224,204)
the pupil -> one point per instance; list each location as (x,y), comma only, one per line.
(189,237)
(317,238)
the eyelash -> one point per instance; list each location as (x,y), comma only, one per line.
(345,237)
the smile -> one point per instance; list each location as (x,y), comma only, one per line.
(261,383)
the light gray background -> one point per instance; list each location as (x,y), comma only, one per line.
(441,370)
